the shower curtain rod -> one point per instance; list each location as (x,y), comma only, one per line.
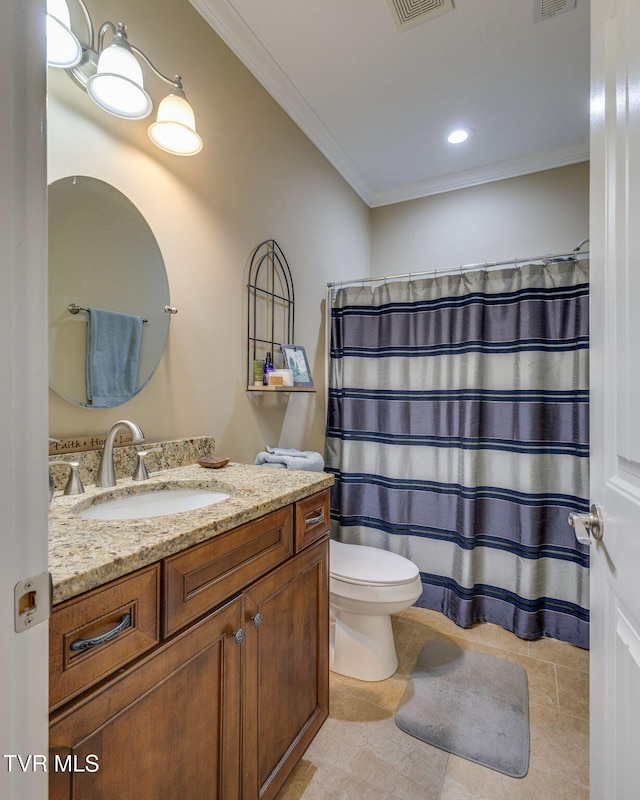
(549,258)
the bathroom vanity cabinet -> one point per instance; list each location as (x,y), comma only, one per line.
(217,680)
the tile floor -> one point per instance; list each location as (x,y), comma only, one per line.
(360,754)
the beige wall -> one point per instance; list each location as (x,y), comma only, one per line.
(546,212)
(257,177)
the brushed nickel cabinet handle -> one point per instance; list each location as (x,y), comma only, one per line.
(87,644)
(257,620)
(239,635)
(314,520)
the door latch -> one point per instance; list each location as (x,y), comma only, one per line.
(32,601)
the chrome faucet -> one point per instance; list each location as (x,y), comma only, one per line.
(106,476)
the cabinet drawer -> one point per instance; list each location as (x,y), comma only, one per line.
(94,635)
(207,574)
(312,519)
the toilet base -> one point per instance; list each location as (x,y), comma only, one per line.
(362,646)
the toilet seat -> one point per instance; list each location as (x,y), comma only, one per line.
(369,566)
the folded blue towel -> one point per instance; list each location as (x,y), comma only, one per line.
(113,351)
(286,458)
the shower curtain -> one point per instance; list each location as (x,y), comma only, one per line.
(457,432)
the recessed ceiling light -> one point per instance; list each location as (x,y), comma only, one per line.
(459,135)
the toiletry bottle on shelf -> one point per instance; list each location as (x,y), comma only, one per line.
(268,367)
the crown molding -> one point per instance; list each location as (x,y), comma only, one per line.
(238,36)
(503,170)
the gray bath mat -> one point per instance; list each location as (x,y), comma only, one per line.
(470,704)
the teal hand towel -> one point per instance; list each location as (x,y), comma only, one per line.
(113,352)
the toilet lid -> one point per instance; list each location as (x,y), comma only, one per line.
(357,563)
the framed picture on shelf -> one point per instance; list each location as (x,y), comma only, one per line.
(295,359)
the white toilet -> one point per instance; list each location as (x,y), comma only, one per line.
(366,585)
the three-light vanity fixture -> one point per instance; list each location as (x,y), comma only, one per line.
(112,77)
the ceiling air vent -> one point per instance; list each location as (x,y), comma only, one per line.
(544,9)
(409,13)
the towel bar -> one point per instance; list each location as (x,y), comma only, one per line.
(74,308)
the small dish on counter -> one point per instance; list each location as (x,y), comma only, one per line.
(213,462)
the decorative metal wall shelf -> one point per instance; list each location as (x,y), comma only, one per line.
(270,312)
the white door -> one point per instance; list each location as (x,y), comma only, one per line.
(23,391)
(615,398)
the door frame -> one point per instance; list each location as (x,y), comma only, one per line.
(23,389)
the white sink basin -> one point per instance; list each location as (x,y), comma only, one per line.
(153,504)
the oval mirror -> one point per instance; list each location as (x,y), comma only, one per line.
(103,255)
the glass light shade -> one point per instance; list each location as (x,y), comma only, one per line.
(175,127)
(63,48)
(117,86)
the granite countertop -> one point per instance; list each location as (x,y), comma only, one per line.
(85,553)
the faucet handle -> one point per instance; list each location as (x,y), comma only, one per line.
(74,483)
(141,473)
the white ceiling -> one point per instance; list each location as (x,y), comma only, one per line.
(379,102)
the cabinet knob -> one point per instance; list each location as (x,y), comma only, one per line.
(239,635)
(257,620)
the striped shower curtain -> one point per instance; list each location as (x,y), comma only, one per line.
(457,431)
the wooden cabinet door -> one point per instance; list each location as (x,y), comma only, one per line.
(286,669)
(169,728)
